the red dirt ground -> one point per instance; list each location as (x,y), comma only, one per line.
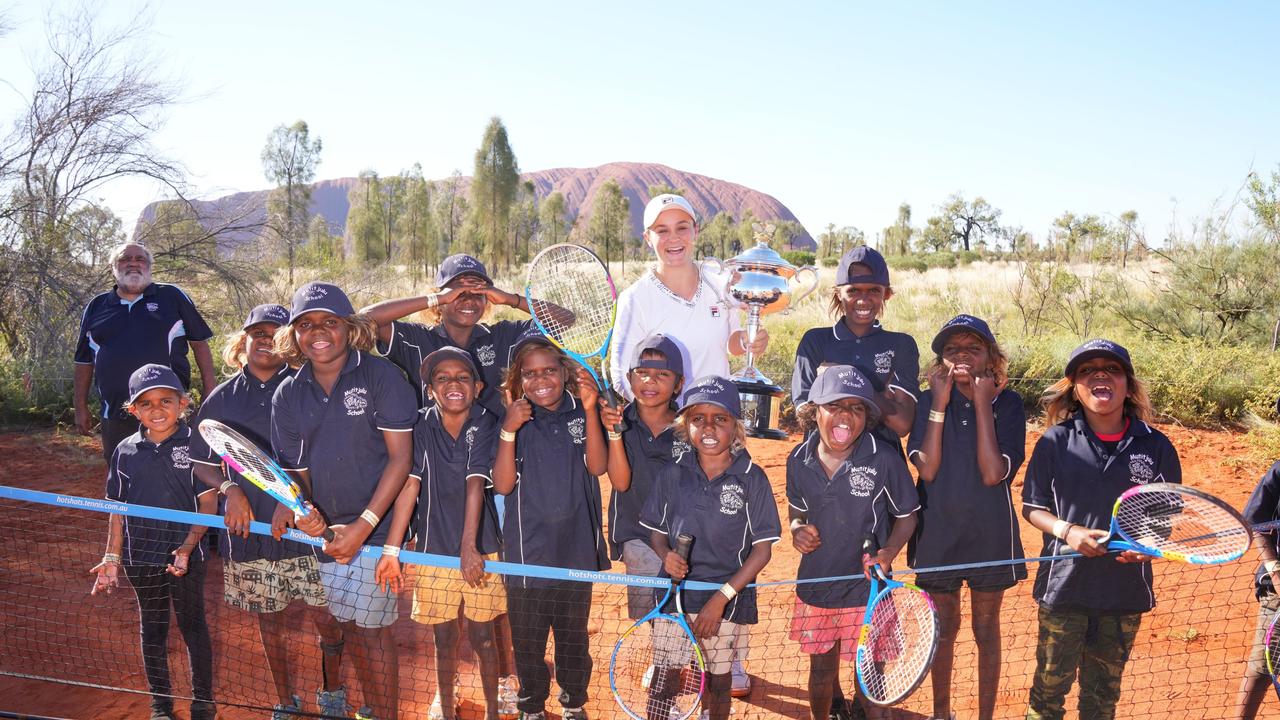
(1186,663)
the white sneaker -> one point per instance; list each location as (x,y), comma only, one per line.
(741,681)
(508,696)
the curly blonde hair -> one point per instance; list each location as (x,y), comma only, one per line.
(511,384)
(1060,402)
(999,360)
(681,427)
(362,335)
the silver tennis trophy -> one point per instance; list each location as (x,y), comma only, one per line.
(761,281)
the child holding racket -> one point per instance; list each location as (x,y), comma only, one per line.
(1090,607)
(720,497)
(890,360)
(637,454)
(343,427)
(967,444)
(261,576)
(843,485)
(447,505)
(163,560)
(551,448)
(1263,507)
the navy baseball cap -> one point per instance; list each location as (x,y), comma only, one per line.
(962,323)
(458,265)
(1096,349)
(150,377)
(270,313)
(532,335)
(323,297)
(862,255)
(836,382)
(713,390)
(672,359)
(448,352)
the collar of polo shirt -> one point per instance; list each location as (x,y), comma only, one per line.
(843,332)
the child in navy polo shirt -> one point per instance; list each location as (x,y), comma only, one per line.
(551,449)
(163,560)
(967,444)
(454,445)
(637,455)
(724,500)
(343,425)
(1263,507)
(262,576)
(844,485)
(457,307)
(1090,607)
(890,360)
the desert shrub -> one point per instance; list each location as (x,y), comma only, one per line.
(965,257)
(939,260)
(906,262)
(799,258)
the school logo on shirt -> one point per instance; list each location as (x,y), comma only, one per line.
(862,480)
(354,401)
(578,430)
(153,306)
(1142,467)
(884,362)
(181,456)
(471,436)
(731,498)
(679,448)
(486,355)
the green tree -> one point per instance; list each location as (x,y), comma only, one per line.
(715,236)
(610,220)
(553,226)
(418,224)
(451,210)
(1127,234)
(834,241)
(524,221)
(664,189)
(364,224)
(494,185)
(322,250)
(961,222)
(289,160)
(1073,233)
(898,236)
(1264,202)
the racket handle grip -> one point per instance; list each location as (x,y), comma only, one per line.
(684,542)
(611,397)
(328,534)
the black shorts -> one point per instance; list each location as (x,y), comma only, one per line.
(997,579)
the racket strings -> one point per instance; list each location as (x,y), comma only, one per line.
(1179,523)
(899,645)
(1272,654)
(657,671)
(573,279)
(244,461)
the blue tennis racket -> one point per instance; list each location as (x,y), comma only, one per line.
(1174,521)
(1273,652)
(897,641)
(657,671)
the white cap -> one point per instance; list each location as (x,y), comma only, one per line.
(666,201)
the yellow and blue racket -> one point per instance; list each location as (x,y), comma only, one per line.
(897,641)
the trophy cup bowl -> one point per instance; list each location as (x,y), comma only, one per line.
(760,281)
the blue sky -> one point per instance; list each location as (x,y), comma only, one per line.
(840,110)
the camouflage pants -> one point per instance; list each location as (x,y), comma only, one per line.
(1095,645)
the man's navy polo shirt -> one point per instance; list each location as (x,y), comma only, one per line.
(869,489)
(338,437)
(144,473)
(964,520)
(1264,506)
(646,455)
(490,348)
(726,516)
(442,465)
(553,516)
(118,337)
(1072,475)
(244,403)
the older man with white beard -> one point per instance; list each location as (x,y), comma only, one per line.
(135,323)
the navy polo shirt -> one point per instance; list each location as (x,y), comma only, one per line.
(443,464)
(962,519)
(118,337)
(1072,475)
(727,516)
(1264,506)
(338,436)
(870,488)
(646,454)
(490,348)
(244,403)
(144,473)
(553,516)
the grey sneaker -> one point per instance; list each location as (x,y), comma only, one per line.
(333,704)
(741,681)
(286,712)
(508,696)
(574,714)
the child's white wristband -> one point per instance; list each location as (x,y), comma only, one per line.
(1061,528)
(391,551)
(370,517)
(222,489)
(111,558)
(727,591)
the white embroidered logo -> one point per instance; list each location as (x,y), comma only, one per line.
(1143,468)
(315,292)
(354,401)
(679,448)
(578,431)
(862,480)
(181,457)
(471,436)
(153,306)
(731,500)
(486,355)
(884,362)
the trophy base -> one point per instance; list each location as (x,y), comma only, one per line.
(761,406)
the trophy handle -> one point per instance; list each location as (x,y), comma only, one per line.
(813,272)
(719,268)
